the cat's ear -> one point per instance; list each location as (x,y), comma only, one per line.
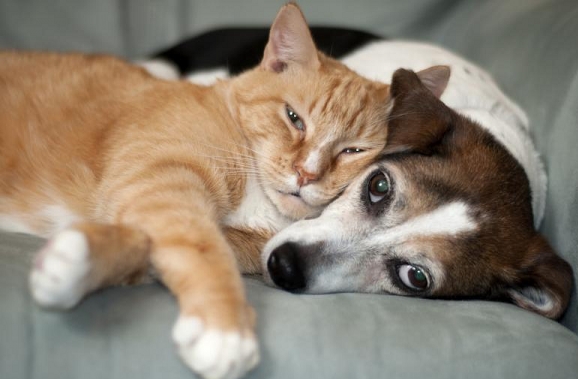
(290,41)
(435,79)
(544,282)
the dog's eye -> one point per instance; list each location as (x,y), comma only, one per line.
(413,277)
(378,187)
(294,118)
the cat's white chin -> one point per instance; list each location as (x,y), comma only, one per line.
(293,206)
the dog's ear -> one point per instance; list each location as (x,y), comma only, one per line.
(418,120)
(290,41)
(544,282)
(435,79)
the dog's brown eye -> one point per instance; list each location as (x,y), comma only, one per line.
(379,187)
(413,277)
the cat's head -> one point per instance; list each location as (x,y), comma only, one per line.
(312,123)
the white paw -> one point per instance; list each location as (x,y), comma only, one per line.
(59,277)
(212,353)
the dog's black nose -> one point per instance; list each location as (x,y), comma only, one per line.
(285,267)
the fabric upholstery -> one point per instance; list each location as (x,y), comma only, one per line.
(530,48)
(125,333)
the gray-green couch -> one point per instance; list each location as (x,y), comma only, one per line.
(530,46)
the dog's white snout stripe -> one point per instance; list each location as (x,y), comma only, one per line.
(449,219)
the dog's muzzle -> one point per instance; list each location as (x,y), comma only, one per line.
(286,268)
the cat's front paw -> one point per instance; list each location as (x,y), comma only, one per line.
(60,274)
(215,353)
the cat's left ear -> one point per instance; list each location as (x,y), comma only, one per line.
(290,41)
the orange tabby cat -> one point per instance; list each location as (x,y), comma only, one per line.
(128,172)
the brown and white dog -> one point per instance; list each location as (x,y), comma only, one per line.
(451,208)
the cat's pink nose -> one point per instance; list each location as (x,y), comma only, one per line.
(304,177)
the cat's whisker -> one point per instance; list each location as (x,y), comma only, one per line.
(237,153)
(266,161)
(242,170)
(253,151)
(232,160)
(390,117)
(238,170)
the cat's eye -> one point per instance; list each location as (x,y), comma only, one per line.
(379,187)
(352,150)
(413,277)
(294,118)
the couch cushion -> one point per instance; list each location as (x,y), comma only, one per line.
(125,332)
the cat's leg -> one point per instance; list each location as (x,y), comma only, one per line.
(214,332)
(248,244)
(86,257)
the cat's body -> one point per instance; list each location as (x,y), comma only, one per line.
(131,172)
(65,128)
(78,132)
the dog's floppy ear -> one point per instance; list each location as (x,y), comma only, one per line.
(544,282)
(418,120)
(290,41)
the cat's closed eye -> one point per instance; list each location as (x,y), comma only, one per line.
(295,119)
(352,150)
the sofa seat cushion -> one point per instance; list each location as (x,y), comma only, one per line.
(124,332)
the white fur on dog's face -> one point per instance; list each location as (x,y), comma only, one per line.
(356,245)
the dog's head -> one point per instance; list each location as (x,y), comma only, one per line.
(444,213)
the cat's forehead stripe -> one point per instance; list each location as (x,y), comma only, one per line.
(339,98)
(347,101)
(327,95)
(352,120)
